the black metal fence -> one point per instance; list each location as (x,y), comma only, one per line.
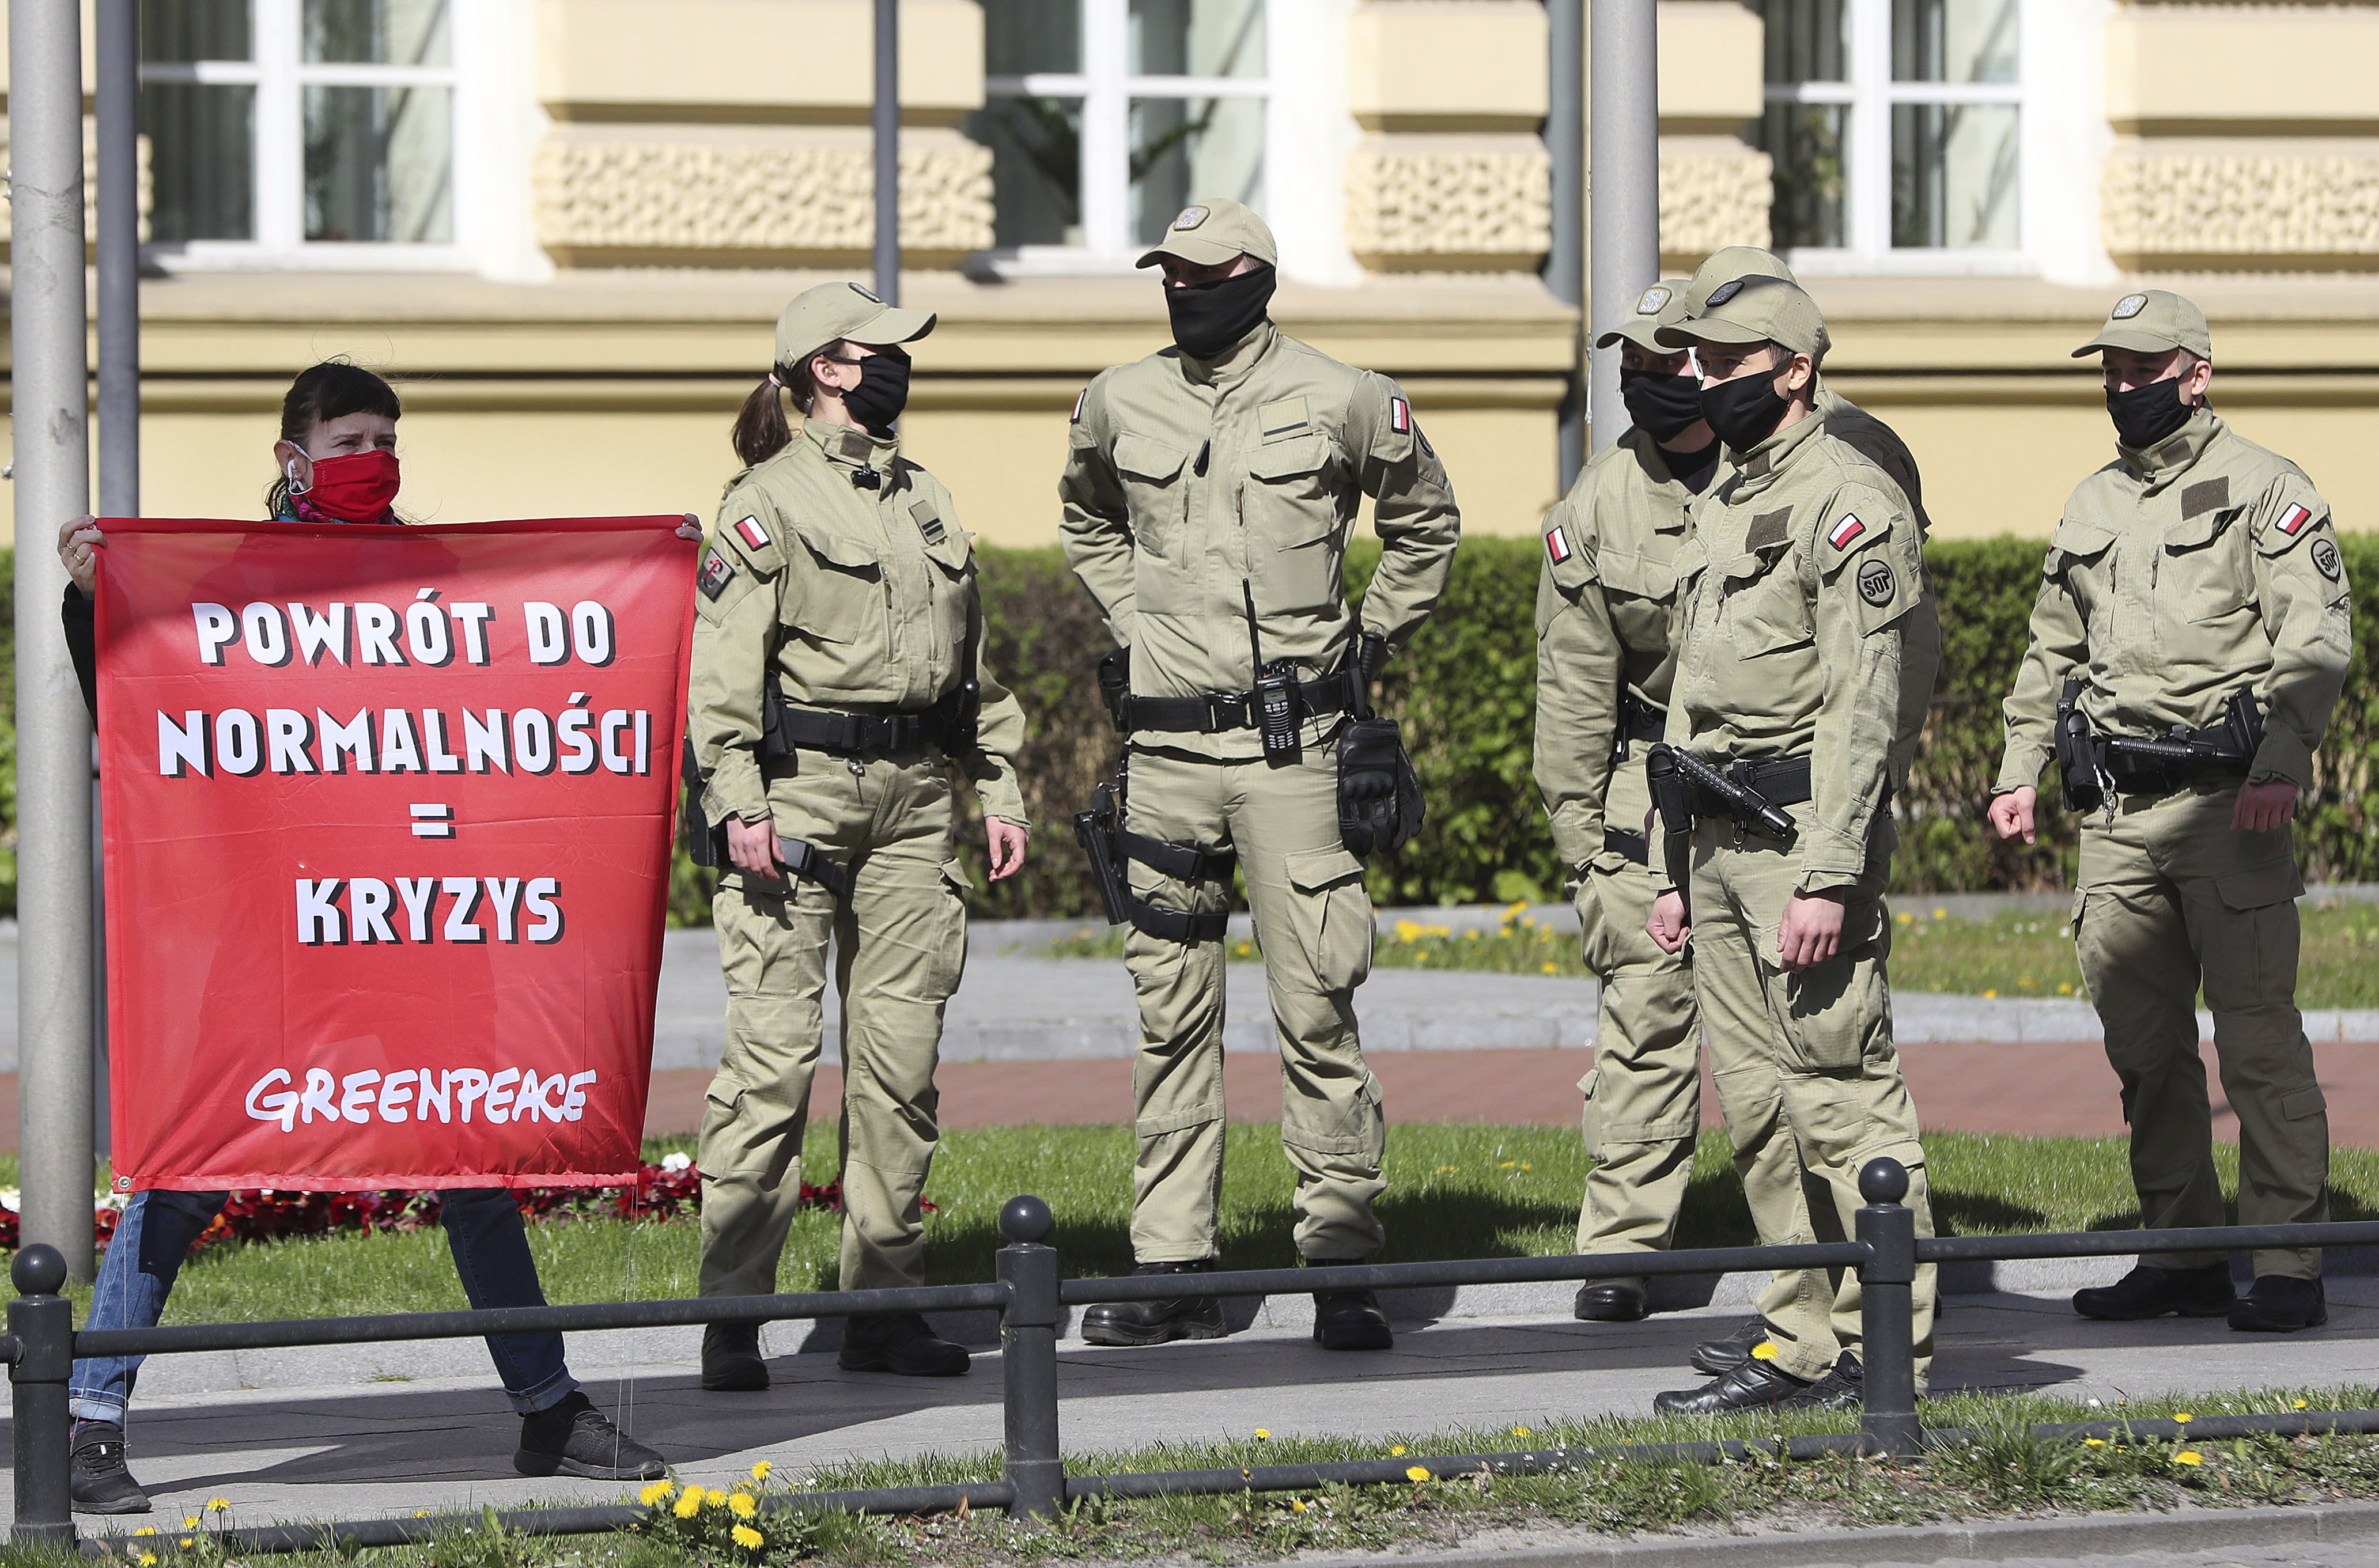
(1031,1298)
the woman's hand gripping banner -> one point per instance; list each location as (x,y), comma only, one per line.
(387,832)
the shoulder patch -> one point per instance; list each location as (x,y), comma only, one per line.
(1724,292)
(1080,398)
(2324,559)
(1400,416)
(1875,583)
(717,572)
(1557,544)
(1844,533)
(2293,520)
(1768,528)
(928,521)
(2206,495)
(748,529)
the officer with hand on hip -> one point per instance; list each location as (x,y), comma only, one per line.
(2189,640)
(1209,492)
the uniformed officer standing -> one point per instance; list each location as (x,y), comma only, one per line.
(1798,596)
(2193,585)
(1603,668)
(838,674)
(1209,494)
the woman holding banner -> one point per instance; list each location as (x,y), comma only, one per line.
(838,675)
(337,462)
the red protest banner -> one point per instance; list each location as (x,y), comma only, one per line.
(387,832)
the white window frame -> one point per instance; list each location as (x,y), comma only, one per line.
(280,76)
(2049,36)
(1107,87)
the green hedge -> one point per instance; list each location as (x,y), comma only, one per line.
(1465,690)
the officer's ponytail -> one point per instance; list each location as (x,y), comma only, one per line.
(762,427)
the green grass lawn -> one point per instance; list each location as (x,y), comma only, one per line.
(2010,955)
(1454,1191)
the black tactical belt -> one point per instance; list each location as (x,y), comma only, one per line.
(1216,712)
(825,730)
(1183,862)
(1635,846)
(1178,925)
(1781,782)
(1639,720)
(806,860)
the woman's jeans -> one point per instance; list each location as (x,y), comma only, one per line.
(153,1237)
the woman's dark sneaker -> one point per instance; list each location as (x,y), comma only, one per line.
(99,1479)
(574,1439)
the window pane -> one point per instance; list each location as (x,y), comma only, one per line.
(377,32)
(1808,39)
(1806,140)
(379,163)
(1963,40)
(201,160)
(1197,37)
(1035,168)
(1953,177)
(1189,149)
(195,29)
(1021,37)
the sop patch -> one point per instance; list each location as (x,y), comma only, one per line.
(1190,217)
(1651,300)
(2324,557)
(2293,520)
(1557,544)
(1724,292)
(1876,584)
(2129,305)
(1844,532)
(717,572)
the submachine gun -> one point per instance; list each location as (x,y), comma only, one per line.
(2094,767)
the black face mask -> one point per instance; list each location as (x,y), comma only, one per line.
(1663,406)
(881,394)
(1209,318)
(1744,411)
(2145,416)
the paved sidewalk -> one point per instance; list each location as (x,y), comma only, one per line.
(443,1441)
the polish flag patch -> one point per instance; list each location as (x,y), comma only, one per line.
(1400,416)
(749,530)
(2294,518)
(1557,544)
(1849,529)
(1080,398)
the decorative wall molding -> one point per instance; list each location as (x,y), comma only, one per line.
(677,195)
(2166,207)
(1449,202)
(1715,192)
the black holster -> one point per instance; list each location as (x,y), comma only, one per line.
(1096,831)
(2081,784)
(705,844)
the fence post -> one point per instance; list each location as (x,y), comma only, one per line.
(1887,1329)
(43,1321)
(1028,1358)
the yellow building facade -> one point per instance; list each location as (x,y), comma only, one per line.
(564,228)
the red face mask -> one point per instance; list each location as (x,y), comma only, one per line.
(358,487)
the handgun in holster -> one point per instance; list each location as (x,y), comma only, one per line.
(1096,831)
(705,844)
(2083,778)
(1673,798)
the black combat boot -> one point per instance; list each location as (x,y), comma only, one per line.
(731,1358)
(574,1439)
(2150,1292)
(1843,1388)
(1611,1301)
(1753,1385)
(2277,1304)
(1349,1320)
(1719,1356)
(98,1479)
(899,1341)
(1153,1322)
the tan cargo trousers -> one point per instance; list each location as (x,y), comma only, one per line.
(2173,896)
(899,950)
(1642,1094)
(1314,921)
(1822,1040)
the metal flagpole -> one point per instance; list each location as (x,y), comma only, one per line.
(49,392)
(1566,262)
(887,121)
(1625,237)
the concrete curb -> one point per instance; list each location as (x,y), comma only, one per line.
(2189,1530)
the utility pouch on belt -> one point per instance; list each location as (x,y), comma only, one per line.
(1096,831)
(1114,688)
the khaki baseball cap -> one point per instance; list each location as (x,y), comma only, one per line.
(1208,233)
(1754,309)
(1725,266)
(1661,306)
(2150,323)
(833,313)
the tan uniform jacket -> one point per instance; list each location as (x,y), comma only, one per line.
(1190,485)
(1796,595)
(1603,602)
(1879,444)
(2177,576)
(853,599)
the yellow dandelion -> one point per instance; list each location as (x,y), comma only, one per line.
(747,1537)
(1520,1432)
(1990,990)
(2182,1415)
(189,1521)
(217,1506)
(1940,914)
(1296,1505)
(1416,1473)
(716,1498)
(2298,1405)
(1397,1451)
(151,1529)
(743,1505)
(2065,988)
(1525,1166)
(2189,1456)
(1552,969)
(1263,1434)
(1446,1170)
(148,1560)
(188,1541)
(689,1502)
(1764,1351)
(1905,918)
(760,1471)
(2093,1442)
(657,1492)
(1508,1164)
